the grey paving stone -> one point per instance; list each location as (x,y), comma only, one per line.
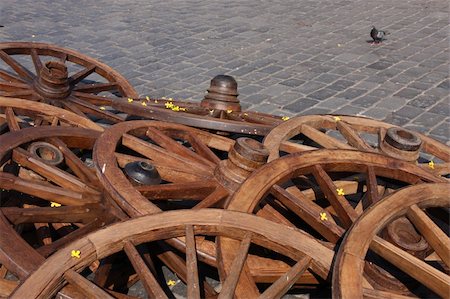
(301,105)
(392,103)
(442,129)
(332,103)
(365,101)
(428,119)
(315,110)
(322,94)
(379,65)
(442,108)
(377,113)
(341,85)
(408,93)
(408,112)
(351,93)
(349,110)
(292,82)
(396,119)
(424,101)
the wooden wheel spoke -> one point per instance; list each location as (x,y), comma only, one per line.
(92,98)
(322,138)
(85,286)
(416,268)
(43,231)
(231,281)
(146,276)
(13,86)
(42,190)
(74,108)
(73,214)
(11,119)
(353,137)
(285,282)
(202,149)
(156,153)
(377,294)
(63,57)
(169,173)
(309,212)
(80,169)
(10,77)
(213,198)
(372,185)
(438,240)
(270,213)
(7,287)
(78,233)
(36,61)
(168,143)
(191,264)
(22,71)
(86,107)
(292,147)
(192,190)
(23,94)
(96,87)
(54,174)
(340,204)
(79,76)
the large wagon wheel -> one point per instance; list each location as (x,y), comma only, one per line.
(426,278)
(18,113)
(62,77)
(254,234)
(49,194)
(352,132)
(220,110)
(322,192)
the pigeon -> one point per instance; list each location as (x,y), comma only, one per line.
(377,35)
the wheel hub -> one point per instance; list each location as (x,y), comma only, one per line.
(53,81)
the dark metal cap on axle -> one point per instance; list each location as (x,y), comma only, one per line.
(222,94)
(142,173)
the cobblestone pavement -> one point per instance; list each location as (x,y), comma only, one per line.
(289,57)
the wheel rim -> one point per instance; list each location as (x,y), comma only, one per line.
(54,202)
(331,172)
(351,132)
(22,113)
(168,225)
(52,74)
(361,238)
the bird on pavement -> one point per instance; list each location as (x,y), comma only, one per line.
(377,35)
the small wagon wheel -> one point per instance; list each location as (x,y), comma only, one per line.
(132,157)
(49,194)
(16,113)
(62,77)
(365,134)
(363,243)
(321,192)
(220,110)
(254,234)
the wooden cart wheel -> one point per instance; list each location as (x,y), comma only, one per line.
(427,278)
(49,194)
(18,113)
(321,192)
(190,162)
(220,110)
(254,234)
(61,77)
(352,132)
